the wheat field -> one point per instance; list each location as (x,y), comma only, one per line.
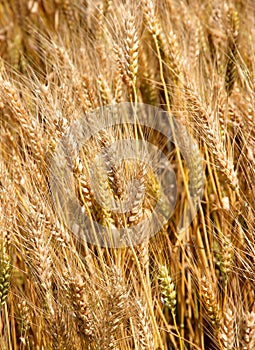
(176,289)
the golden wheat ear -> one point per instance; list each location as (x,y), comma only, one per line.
(249,331)
(227,331)
(210,301)
(232,51)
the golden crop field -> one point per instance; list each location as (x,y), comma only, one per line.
(127,174)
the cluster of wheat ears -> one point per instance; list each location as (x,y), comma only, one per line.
(62,59)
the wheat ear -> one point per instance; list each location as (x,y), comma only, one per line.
(249,331)
(5,276)
(227,330)
(210,301)
(230,75)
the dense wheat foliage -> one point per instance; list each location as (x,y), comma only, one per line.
(188,289)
